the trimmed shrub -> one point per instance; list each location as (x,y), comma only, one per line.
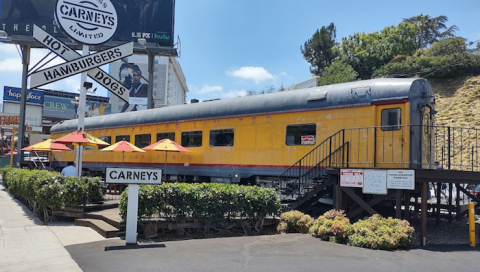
(294,222)
(44,191)
(377,232)
(332,226)
(210,204)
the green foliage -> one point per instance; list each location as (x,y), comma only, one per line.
(377,232)
(338,72)
(445,47)
(368,52)
(431,29)
(332,226)
(45,191)
(436,62)
(211,204)
(321,50)
(294,222)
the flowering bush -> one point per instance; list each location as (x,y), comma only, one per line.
(332,226)
(377,232)
(294,222)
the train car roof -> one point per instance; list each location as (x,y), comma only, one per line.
(349,94)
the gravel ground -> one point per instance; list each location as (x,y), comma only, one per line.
(454,233)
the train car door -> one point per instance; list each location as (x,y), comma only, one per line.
(391,134)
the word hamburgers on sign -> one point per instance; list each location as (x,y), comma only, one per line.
(90,22)
(80,65)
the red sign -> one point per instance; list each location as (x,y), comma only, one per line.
(308,140)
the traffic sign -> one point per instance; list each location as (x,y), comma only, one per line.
(68,54)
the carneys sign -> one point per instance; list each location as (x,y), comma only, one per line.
(89,22)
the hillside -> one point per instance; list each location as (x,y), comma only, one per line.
(457,101)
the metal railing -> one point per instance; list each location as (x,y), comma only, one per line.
(404,147)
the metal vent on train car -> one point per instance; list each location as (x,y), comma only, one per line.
(361,92)
(317,95)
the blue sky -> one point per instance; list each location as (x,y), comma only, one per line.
(231,46)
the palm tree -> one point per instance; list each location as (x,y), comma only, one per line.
(431,29)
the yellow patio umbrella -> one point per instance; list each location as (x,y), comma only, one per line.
(123,146)
(166,145)
(47,145)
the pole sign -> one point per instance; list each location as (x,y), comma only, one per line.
(90,22)
(80,65)
(133,177)
(66,53)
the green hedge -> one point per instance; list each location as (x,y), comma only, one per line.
(210,204)
(44,191)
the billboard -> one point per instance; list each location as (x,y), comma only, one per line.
(15,94)
(134,76)
(152,20)
(67,108)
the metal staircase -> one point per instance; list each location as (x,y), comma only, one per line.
(305,181)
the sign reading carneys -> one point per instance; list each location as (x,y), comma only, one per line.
(90,22)
(133,176)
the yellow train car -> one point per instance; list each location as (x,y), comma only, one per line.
(254,138)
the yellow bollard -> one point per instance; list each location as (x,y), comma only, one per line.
(471,223)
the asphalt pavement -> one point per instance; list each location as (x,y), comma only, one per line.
(26,244)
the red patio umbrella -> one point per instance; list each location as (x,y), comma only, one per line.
(80,138)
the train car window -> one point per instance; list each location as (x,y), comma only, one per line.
(122,138)
(391,119)
(221,137)
(166,135)
(301,134)
(143,140)
(106,139)
(192,138)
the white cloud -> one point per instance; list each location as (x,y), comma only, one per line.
(10,60)
(257,74)
(210,89)
(234,93)
(283,74)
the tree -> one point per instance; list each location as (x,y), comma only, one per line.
(321,50)
(368,52)
(431,29)
(338,72)
(444,59)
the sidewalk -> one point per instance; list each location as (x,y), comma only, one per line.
(26,244)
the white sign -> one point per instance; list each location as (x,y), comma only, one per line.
(351,178)
(401,179)
(66,53)
(90,22)
(80,65)
(133,176)
(375,182)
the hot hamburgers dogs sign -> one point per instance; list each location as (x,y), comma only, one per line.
(90,22)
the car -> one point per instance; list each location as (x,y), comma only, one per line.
(476,191)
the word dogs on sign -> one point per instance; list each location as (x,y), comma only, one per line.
(66,53)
